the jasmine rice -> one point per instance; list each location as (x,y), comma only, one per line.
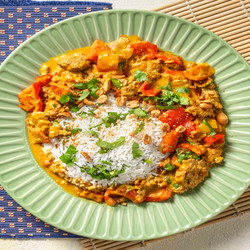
(118,158)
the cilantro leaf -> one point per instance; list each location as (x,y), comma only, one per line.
(55,122)
(175,185)
(148,161)
(139,112)
(64,99)
(107,146)
(168,167)
(91,132)
(116,83)
(139,128)
(74,109)
(166,107)
(106,162)
(167,87)
(75,130)
(183,100)
(183,155)
(91,85)
(84,94)
(136,150)
(140,76)
(212,132)
(121,65)
(168,180)
(68,156)
(183,90)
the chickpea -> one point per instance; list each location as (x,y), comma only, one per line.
(222,118)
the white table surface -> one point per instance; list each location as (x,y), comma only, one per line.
(232,234)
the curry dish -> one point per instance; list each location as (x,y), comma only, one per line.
(124,121)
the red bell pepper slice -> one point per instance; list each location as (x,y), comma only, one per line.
(97,47)
(218,138)
(169,141)
(44,79)
(175,117)
(163,56)
(160,194)
(190,127)
(199,150)
(148,92)
(145,48)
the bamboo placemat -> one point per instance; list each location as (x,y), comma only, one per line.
(229,19)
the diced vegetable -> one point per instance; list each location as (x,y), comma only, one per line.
(107,61)
(175,117)
(59,89)
(44,79)
(216,139)
(169,141)
(144,48)
(160,194)
(199,150)
(190,127)
(168,57)
(199,72)
(96,48)
(148,92)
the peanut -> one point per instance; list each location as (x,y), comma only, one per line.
(165,127)
(88,102)
(150,108)
(133,104)
(132,134)
(120,100)
(155,113)
(66,114)
(180,129)
(87,157)
(206,105)
(222,119)
(106,86)
(102,99)
(147,139)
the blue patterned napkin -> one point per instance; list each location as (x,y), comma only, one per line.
(19,20)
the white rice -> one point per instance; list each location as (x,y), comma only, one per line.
(118,156)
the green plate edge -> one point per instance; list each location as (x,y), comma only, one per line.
(33,189)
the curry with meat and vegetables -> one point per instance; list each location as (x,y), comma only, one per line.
(125,120)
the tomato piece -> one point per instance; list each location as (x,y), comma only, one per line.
(148,92)
(97,47)
(160,194)
(175,117)
(145,48)
(199,72)
(174,73)
(199,150)
(44,80)
(30,98)
(168,57)
(169,141)
(217,139)
(190,127)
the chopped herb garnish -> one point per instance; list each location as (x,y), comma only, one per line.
(91,132)
(106,162)
(212,132)
(54,105)
(183,90)
(107,146)
(167,87)
(168,167)
(183,100)
(86,114)
(75,130)
(121,65)
(136,150)
(84,94)
(166,107)
(140,76)
(148,161)
(175,185)
(64,99)
(91,85)
(100,172)
(139,112)
(55,122)
(183,155)
(116,83)
(139,128)
(169,180)
(192,143)
(74,108)
(69,156)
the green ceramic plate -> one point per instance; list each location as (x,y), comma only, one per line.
(33,189)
